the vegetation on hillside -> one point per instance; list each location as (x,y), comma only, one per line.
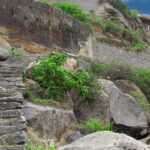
(92,125)
(56,80)
(116,70)
(133,37)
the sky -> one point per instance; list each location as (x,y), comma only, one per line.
(143,6)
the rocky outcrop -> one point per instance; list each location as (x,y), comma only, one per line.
(126,113)
(44,24)
(97,108)
(5,45)
(3,54)
(12,121)
(48,122)
(106,141)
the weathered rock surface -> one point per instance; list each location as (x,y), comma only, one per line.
(11,72)
(106,141)
(3,54)
(12,121)
(96,108)
(146,140)
(48,122)
(5,45)
(127,115)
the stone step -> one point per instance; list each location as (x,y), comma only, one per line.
(11,113)
(16,138)
(12,129)
(10,105)
(17,98)
(17,147)
(12,121)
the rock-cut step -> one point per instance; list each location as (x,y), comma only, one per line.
(12,120)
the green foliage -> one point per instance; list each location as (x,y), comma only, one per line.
(141,100)
(107,25)
(135,39)
(32,147)
(93,126)
(131,35)
(138,46)
(99,68)
(141,77)
(56,80)
(125,10)
(16,53)
(103,39)
(74,10)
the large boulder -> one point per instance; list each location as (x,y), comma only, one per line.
(3,54)
(5,45)
(128,87)
(127,114)
(97,108)
(106,141)
(47,122)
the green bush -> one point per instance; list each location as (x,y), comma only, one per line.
(141,100)
(137,46)
(131,35)
(56,80)
(103,39)
(141,77)
(93,125)
(102,68)
(74,10)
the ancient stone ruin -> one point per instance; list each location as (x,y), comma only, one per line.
(43,24)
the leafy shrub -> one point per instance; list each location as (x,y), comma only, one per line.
(93,126)
(103,39)
(107,25)
(138,46)
(141,77)
(141,100)
(74,10)
(135,39)
(56,80)
(102,68)
(131,35)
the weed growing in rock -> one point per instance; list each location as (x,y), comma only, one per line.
(16,53)
(93,125)
(74,10)
(141,77)
(31,147)
(141,100)
(103,39)
(56,80)
(137,46)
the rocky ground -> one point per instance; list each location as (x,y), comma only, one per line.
(59,124)
(107,53)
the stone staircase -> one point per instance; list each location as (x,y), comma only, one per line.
(12,120)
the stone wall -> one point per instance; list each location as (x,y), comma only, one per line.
(43,24)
